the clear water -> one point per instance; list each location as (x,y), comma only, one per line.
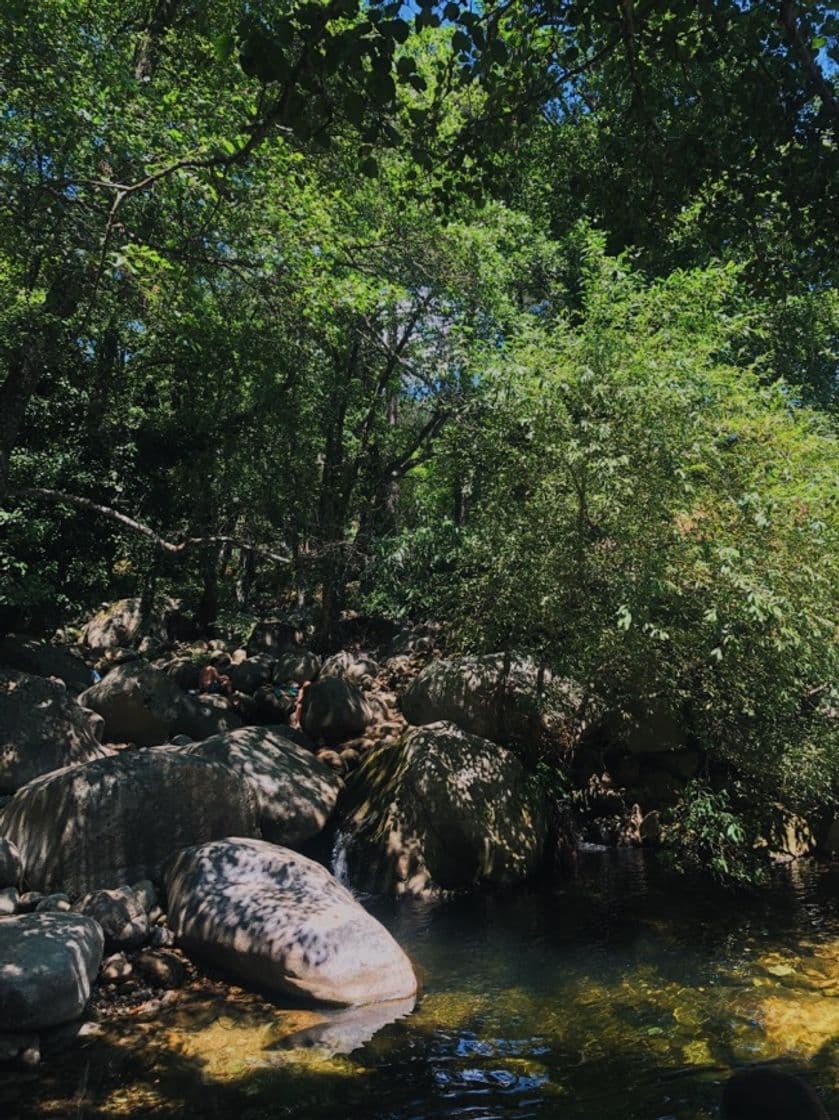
(626,993)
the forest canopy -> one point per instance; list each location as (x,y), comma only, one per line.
(520,316)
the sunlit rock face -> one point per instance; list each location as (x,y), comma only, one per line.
(47,965)
(512,705)
(279,922)
(117,820)
(295,793)
(443,809)
(42,728)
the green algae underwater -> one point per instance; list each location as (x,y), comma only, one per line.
(626,992)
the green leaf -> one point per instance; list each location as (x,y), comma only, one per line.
(370,168)
(223,46)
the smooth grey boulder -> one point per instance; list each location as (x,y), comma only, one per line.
(357,668)
(42,728)
(334,710)
(28,655)
(47,965)
(516,705)
(10,865)
(139,704)
(121,915)
(442,809)
(296,667)
(295,793)
(280,922)
(118,819)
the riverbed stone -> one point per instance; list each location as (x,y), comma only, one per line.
(296,667)
(10,865)
(126,621)
(116,820)
(42,728)
(47,965)
(29,655)
(334,710)
(160,968)
(358,668)
(139,704)
(295,793)
(443,809)
(121,915)
(278,921)
(513,706)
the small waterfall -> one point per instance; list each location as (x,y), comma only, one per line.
(339,858)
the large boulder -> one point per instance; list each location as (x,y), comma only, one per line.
(273,919)
(515,704)
(126,621)
(28,655)
(121,915)
(273,637)
(42,728)
(117,820)
(295,793)
(199,717)
(139,704)
(10,865)
(249,675)
(47,965)
(334,710)
(443,809)
(358,668)
(296,667)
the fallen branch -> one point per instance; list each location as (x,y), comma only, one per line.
(59,497)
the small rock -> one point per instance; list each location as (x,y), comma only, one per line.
(10,869)
(332,759)
(121,915)
(146,895)
(8,901)
(28,901)
(58,902)
(161,969)
(22,1049)
(162,936)
(181,740)
(350,758)
(116,969)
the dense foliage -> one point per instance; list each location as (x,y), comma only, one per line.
(521,315)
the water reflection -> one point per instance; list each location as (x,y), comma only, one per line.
(625,994)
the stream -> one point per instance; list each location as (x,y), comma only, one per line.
(626,993)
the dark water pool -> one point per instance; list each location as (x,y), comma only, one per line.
(626,993)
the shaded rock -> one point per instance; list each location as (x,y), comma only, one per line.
(117,820)
(138,703)
(41,729)
(183,671)
(829,839)
(47,964)
(789,836)
(272,704)
(28,655)
(52,903)
(125,622)
(657,789)
(205,715)
(120,913)
(296,667)
(28,901)
(358,668)
(161,969)
(331,759)
(295,793)
(274,637)
(478,696)
(9,901)
(682,764)
(10,866)
(251,674)
(146,894)
(442,809)
(20,1049)
(278,921)
(116,969)
(655,729)
(334,710)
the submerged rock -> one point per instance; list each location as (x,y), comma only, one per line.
(42,728)
(280,922)
(117,820)
(47,965)
(442,809)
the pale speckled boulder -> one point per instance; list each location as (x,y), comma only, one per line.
(118,819)
(279,922)
(47,965)
(42,728)
(295,793)
(295,666)
(357,668)
(138,703)
(441,810)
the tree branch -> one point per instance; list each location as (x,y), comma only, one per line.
(807,58)
(59,497)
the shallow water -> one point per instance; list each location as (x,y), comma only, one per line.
(626,993)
